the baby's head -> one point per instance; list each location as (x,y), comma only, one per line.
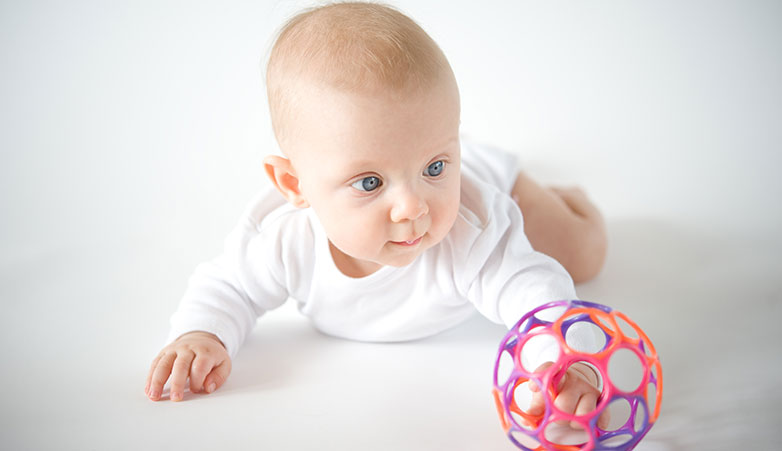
(365,108)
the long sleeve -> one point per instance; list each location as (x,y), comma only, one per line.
(226,296)
(500,273)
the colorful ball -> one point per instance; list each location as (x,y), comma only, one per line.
(623,356)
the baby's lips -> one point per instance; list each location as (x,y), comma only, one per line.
(408,242)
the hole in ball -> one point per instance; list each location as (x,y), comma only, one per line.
(616,442)
(585,336)
(539,349)
(619,410)
(523,396)
(550,314)
(527,441)
(505,367)
(639,422)
(564,434)
(627,330)
(625,370)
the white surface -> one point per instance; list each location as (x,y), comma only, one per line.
(132,134)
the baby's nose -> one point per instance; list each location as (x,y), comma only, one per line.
(408,205)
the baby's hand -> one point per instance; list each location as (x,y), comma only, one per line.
(576,394)
(199,355)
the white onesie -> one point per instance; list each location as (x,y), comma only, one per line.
(277,252)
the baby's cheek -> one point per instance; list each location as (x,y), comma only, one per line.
(362,240)
(444,218)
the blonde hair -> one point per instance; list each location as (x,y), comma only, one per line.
(354,47)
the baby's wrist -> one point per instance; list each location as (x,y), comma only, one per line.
(588,372)
(201,333)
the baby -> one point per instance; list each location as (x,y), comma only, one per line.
(389,227)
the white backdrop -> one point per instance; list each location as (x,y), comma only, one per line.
(131,136)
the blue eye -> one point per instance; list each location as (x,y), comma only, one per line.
(435,168)
(367,184)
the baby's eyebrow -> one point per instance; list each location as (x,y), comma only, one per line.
(365,163)
(357,167)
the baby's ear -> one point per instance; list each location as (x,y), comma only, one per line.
(281,173)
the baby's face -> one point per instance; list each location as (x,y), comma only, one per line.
(382,174)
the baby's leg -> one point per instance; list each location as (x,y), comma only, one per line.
(564,224)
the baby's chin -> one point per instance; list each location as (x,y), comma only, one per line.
(407,258)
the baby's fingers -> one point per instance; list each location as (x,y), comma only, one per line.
(150,373)
(202,366)
(538,404)
(586,404)
(180,373)
(158,375)
(566,401)
(218,376)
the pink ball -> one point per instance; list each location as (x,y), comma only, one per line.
(623,356)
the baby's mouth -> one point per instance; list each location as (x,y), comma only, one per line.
(408,243)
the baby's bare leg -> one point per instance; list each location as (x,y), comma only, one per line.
(564,224)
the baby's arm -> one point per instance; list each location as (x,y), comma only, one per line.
(200,356)
(508,278)
(222,302)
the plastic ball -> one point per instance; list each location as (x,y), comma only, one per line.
(620,352)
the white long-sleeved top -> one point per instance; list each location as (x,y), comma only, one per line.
(277,252)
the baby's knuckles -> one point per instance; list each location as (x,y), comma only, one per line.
(203,366)
(199,344)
